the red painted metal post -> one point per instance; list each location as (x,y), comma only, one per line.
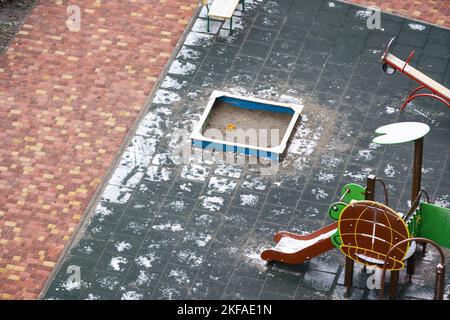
(431,95)
(417,89)
(407,60)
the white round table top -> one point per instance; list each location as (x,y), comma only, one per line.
(401,132)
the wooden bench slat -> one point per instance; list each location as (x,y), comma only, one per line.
(434,85)
(223,9)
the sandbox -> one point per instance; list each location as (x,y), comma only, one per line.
(246,125)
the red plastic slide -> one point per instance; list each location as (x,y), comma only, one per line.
(293,248)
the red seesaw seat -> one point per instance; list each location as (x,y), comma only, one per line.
(392,63)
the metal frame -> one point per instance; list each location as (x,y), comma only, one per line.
(436,95)
(205,3)
(440,271)
(231,19)
(415,191)
(207,15)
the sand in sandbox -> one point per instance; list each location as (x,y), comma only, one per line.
(223,114)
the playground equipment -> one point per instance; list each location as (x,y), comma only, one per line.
(372,233)
(222,10)
(367,230)
(440,268)
(292,248)
(391,63)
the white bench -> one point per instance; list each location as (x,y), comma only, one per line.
(222,10)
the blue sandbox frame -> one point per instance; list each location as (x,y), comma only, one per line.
(274,153)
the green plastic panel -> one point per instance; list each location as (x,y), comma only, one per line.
(336,239)
(334,211)
(357,192)
(435,224)
(414,224)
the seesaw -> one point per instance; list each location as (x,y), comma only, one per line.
(391,63)
(372,233)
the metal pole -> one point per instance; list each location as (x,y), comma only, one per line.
(440,269)
(417,168)
(416,185)
(231,25)
(207,18)
(370,189)
(440,282)
(348,279)
(410,266)
(394,284)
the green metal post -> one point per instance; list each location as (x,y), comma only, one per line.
(231,25)
(207,16)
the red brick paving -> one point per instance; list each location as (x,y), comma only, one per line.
(431,11)
(67,100)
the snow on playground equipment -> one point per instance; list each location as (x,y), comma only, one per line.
(372,233)
(391,63)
